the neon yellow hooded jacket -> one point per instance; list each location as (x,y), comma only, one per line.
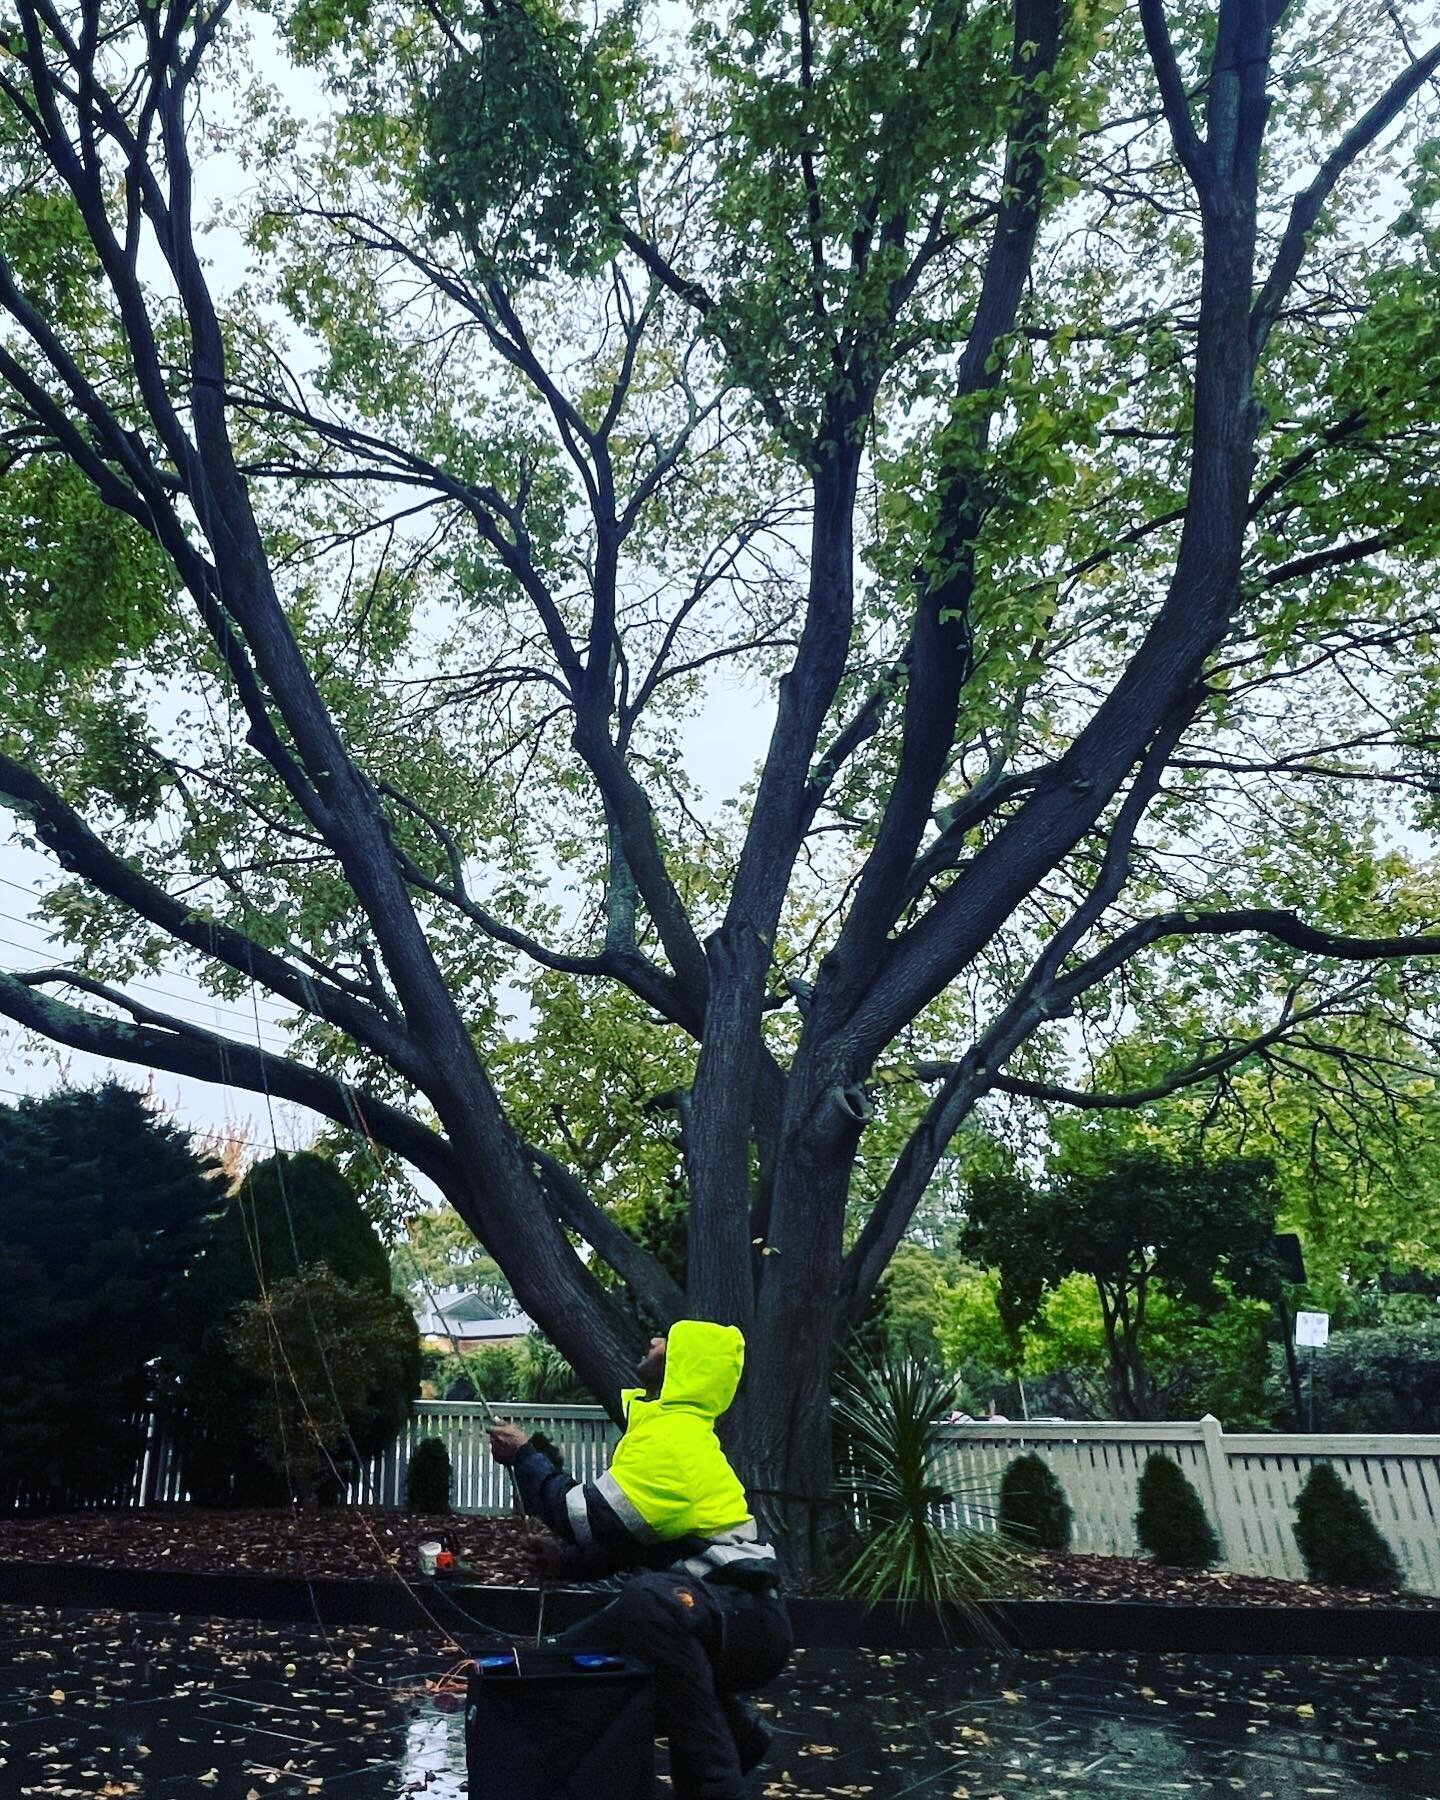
(669,1498)
(669,1464)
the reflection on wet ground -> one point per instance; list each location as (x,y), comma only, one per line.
(111,1705)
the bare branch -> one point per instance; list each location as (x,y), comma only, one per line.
(1203,1069)
(1284,927)
(1307,207)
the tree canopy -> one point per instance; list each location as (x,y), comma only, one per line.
(1030,407)
(1143,1225)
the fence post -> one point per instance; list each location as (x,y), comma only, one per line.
(1222,1486)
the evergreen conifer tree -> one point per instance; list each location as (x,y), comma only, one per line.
(1339,1540)
(1033,1508)
(102,1204)
(427,1481)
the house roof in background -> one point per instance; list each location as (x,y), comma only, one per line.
(461,1313)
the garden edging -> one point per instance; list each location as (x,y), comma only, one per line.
(819,1623)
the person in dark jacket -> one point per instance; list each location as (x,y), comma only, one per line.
(705,1609)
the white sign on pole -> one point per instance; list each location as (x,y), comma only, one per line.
(1312,1329)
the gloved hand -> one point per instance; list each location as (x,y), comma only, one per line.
(545,1559)
(506,1443)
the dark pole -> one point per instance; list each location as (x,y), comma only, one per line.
(1290,1268)
(1292,1362)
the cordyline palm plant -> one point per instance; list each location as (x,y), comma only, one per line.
(887,1407)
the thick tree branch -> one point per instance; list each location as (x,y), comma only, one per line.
(155,1040)
(939,656)
(1337,556)
(1037,998)
(1203,593)
(657,1291)
(66,835)
(1194,156)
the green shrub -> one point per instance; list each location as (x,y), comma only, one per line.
(532,1371)
(335,1366)
(1338,1538)
(290,1212)
(427,1480)
(1033,1508)
(1380,1378)
(1171,1521)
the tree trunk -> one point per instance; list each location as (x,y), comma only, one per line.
(781,1435)
(784,1425)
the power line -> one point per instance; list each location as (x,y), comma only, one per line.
(147,987)
(150,986)
(230,1137)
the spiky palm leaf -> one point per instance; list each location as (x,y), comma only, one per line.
(886,1408)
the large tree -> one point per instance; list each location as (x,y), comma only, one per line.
(1032,405)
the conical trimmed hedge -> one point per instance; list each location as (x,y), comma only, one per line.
(1033,1509)
(1339,1540)
(1171,1522)
(427,1480)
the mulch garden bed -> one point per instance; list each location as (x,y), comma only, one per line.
(358,1543)
(1076,1577)
(340,1541)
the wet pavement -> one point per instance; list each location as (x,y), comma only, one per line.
(109,1705)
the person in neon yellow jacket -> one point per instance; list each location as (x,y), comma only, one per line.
(704,1604)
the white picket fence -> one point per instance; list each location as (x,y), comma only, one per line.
(583,1434)
(1247,1481)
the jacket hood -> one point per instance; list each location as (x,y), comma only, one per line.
(703,1363)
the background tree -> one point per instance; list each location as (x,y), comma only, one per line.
(1376,1378)
(1141,1225)
(102,1205)
(290,1213)
(907,1305)
(1034,408)
(439,1251)
(1346,1110)
(532,1371)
